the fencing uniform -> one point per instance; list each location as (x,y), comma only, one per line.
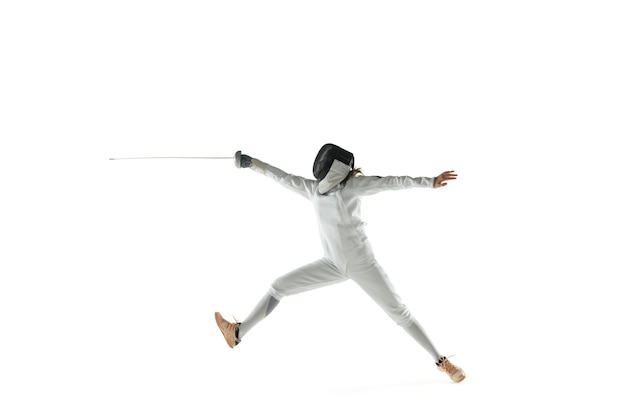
(347,251)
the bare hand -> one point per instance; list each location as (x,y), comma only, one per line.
(440,180)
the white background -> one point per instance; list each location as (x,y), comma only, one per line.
(111,270)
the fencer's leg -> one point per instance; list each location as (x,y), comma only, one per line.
(371,277)
(306,278)
(417,332)
(264,307)
(318,274)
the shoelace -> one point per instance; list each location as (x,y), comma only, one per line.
(448,366)
(443,358)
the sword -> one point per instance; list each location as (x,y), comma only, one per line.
(236,158)
(173,157)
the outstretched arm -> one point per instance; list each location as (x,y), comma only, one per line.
(366,185)
(440,180)
(300,185)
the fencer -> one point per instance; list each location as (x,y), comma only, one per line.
(336,195)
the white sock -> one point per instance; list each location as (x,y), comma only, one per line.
(264,307)
(417,333)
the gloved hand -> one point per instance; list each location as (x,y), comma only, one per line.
(242,161)
(246,161)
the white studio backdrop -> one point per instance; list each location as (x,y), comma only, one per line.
(111,270)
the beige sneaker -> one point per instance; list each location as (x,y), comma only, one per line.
(229,330)
(454,372)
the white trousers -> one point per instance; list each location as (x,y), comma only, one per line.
(366,272)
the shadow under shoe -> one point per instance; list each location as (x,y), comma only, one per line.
(455,373)
(228,329)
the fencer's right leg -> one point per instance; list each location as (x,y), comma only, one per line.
(373,279)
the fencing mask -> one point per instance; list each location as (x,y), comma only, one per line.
(332,165)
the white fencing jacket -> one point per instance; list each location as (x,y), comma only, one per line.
(339,211)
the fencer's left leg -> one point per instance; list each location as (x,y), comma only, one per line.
(263,308)
(317,274)
(371,277)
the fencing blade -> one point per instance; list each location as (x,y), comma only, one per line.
(173,157)
(236,158)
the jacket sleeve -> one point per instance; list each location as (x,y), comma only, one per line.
(303,186)
(368,185)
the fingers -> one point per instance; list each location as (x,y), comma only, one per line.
(448,175)
(444,176)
